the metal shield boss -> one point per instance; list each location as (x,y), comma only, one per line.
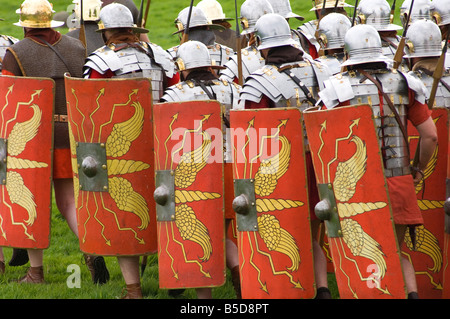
(26,151)
(354,202)
(111,134)
(271,204)
(189,194)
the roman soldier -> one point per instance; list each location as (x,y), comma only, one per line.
(214,12)
(288,80)
(396,97)
(251,11)
(91,11)
(199,82)
(425,58)
(5,41)
(377,13)
(125,56)
(421,10)
(53,55)
(308,30)
(330,35)
(441,15)
(201,29)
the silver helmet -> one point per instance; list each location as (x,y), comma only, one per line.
(363,45)
(116,16)
(198,19)
(331,31)
(283,7)
(421,10)
(376,13)
(213,10)
(423,39)
(251,11)
(272,31)
(192,55)
(440,11)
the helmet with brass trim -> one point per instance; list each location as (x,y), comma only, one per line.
(363,45)
(91,9)
(421,10)
(424,39)
(213,10)
(331,31)
(251,11)
(272,31)
(440,11)
(198,19)
(117,16)
(37,14)
(283,7)
(376,13)
(192,55)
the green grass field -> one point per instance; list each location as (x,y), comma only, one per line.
(64,248)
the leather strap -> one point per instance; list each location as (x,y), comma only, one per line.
(391,105)
(299,83)
(57,53)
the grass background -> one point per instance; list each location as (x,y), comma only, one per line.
(64,247)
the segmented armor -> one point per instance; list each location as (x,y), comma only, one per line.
(354,87)
(140,59)
(5,42)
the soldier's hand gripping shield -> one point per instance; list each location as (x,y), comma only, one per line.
(110,125)
(26,150)
(189,194)
(354,202)
(271,204)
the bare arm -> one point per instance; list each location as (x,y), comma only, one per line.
(428,141)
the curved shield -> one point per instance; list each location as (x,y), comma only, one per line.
(189,194)
(355,203)
(274,233)
(111,140)
(446,248)
(425,247)
(26,143)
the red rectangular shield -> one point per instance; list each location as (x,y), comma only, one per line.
(190,217)
(347,161)
(110,122)
(274,232)
(427,255)
(26,143)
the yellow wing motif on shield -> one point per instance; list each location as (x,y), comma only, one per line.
(272,169)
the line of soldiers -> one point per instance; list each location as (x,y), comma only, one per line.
(333,62)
